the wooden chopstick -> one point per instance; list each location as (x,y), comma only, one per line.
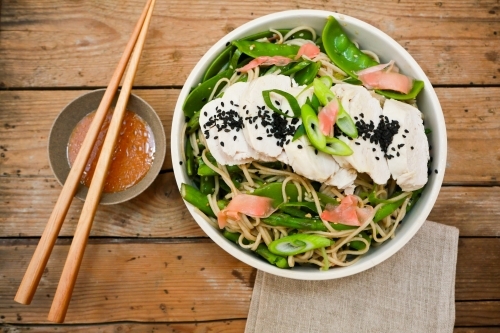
(33,274)
(69,274)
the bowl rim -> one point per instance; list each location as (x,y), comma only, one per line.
(424,205)
(148,178)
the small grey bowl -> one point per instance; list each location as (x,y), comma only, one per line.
(69,117)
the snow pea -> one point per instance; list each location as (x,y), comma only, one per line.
(375,201)
(302,223)
(415,90)
(196,198)
(207,184)
(205,170)
(223,59)
(311,124)
(387,209)
(258,49)
(414,198)
(294,208)
(342,51)
(273,191)
(193,123)
(200,94)
(190,167)
(307,75)
(294,67)
(359,245)
(298,243)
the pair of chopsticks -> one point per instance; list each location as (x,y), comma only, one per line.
(42,253)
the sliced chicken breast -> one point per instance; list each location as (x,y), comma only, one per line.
(408,153)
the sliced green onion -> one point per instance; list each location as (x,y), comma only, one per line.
(294,105)
(327,81)
(335,146)
(298,243)
(301,130)
(311,124)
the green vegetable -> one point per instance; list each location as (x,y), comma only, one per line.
(262,250)
(359,245)
(342,51)
(196,198)
(233,64)
(190,167)
(301,130)
(415,90)
(375,201)
(344,120)
(228,54)
(298,243)
(205,170)
(311,124)
(194,123)
(327,81)
(273,191)
(272,258)
(414,199)
(207,184)
(294,208)
(294,67)
(335,146)
(307,75)
(306,224)
(294,105)
(199,96)
(258,49)
(387,209)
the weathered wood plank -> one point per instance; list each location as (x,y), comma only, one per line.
(476,329)
(139,281)
(477,314)
(36,39)
(226,326)
(472,119)
(160,211)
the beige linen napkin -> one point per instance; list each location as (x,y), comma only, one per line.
(413,291)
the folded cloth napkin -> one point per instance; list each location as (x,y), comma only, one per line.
(412,291)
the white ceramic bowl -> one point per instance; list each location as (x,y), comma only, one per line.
(369,38)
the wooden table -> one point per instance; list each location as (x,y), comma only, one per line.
(148,265)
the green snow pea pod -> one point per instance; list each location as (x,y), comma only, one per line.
(375,201)
(196,198)
(302,223)
(200,94)
(222,60)
(294,208)
(207,184)
(414,199)
(311,124)
(205,170)
(294,67)
(359,245)
(273,191)
(415,90)
(258,49)
(387,209)
(344,120)
(298,243)
(342,51)
(190,167)
(193,123)
(307,75)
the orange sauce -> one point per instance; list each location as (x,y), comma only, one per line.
(133,155)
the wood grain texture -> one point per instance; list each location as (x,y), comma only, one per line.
(48,45)
(160,212)
(472,118)
(139,281)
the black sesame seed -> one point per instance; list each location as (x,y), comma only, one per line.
(204,99)
(377,158)
(357,143)
(411,147)
(234,138)
(277,103)
(180,162)
(316,151)
(231,102)
(373,149)
(406,131)
(228,43)
(222,104)
(430,147)
(435,170)
(244,107)
(313,126)
(222,143)
(393,149)
(397,154)
(362,115)
(256,126)
(299,146)
(259,138)
(356,118)
(404,136)
(216,137)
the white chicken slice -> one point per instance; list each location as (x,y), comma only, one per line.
(343,179)
(365,110)
(265,130)
(409,151)
(308,162)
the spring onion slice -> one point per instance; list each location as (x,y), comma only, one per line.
(298,243)
(301,130)
(311,124)
(335,146)
(294,105)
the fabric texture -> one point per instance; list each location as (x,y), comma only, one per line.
(412,291)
